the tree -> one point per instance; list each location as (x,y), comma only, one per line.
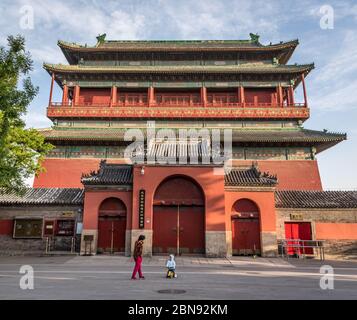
(21,150)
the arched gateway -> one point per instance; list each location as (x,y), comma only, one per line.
(245,228)
(111,226)
(179,217)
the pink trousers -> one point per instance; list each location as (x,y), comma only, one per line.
(137,267)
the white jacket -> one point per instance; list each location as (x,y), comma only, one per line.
(171,264)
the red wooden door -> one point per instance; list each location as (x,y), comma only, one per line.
(191,221)
(192,230)
(164,224)
(305,234)
(245,236)
(301,231)
(111,234)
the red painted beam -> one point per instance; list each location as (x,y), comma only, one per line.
(177,112)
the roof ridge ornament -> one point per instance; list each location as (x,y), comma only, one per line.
(254,37)
(101,38)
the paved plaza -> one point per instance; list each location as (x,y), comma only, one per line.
(108,277)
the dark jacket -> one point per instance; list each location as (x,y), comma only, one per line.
(138,249)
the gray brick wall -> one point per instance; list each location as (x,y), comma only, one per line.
(11,246)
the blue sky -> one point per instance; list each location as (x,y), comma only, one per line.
(332,86)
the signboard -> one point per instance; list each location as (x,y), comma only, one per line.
(65,227)
(141,208)
(88,237)
(49,228)
(68,214)
(296,216)
(28,228)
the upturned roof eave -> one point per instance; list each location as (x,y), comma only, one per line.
(75,69)
(70,50)
(236,45)
(321,143)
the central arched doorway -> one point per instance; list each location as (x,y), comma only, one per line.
(111,226)
(245,228)
(179,217)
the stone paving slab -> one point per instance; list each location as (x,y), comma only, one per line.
(108,277)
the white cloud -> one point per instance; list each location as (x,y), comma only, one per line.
(334,84)
(217,19)
(84,21)
(37,120)
(48,53)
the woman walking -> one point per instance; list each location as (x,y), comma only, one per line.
(138,251)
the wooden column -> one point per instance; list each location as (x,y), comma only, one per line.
(273,99)
(65,95)
(242,96)
(304,88)
(287,91)
(204,96)
(74,92)
(114,97)
(75,98)
(151,96)
(292,98)
(51,89)
(77,95)
(280,96)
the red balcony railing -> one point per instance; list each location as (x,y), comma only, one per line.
(170,110)
(172,104)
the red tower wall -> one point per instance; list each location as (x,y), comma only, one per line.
(292,174)
(66,173)
(258,95)
(94,96)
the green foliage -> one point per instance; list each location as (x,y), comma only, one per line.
(21,150)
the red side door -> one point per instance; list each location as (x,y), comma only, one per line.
(305,234)
(301,231)
(111,232)
(245,236)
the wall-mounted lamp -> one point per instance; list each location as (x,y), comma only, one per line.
(142,171)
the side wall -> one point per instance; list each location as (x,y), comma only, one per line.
(337,226)
(9,245)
